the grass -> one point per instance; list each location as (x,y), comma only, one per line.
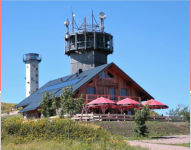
(124,129)
(17,116)
(183,144)
(6,107)
(64,145)
(43,134)
(156,129)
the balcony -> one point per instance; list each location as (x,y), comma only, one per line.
(32,56)
(115,98)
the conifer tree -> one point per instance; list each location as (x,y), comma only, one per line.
(141,116)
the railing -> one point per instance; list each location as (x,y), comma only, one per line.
(115,98)
(115,117)
(123,117)
(32,56)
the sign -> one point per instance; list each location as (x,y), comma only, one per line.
(107,82)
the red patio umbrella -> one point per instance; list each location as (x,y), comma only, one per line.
(101,100)
(127,103)
(153,104)
(102,103)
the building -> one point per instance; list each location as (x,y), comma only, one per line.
(91,75)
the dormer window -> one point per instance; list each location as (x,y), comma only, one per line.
(109,75)
(102,74)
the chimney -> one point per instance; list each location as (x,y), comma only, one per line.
(79,71)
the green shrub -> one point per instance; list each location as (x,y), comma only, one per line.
(141,116)
(16,131)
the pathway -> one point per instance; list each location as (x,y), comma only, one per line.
(11,113)
(175,139)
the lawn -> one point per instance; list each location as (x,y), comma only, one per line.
(183,144)
(64,145)
(18,116)
(156,129)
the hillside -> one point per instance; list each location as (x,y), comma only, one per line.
(155,128)
(6,107)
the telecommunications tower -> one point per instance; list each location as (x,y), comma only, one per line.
(32,72)
(89,45)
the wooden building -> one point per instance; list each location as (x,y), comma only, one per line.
(91,75)
(107,80)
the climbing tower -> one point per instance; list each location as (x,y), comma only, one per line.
(32,72)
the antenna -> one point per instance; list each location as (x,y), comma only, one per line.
(102,16)
(73,15)
(67,23)
(92,20)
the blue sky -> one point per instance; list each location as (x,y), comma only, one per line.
(151,44)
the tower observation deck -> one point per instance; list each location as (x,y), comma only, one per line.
(87,46)
(32,72)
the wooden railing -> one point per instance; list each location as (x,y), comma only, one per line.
(115,98)
(115,117)
(123,117)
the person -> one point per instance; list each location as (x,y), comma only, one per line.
(41,115)
(11,109)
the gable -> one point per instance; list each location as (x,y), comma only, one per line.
(114,78)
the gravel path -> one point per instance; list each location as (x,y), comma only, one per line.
(11,113)
(175,139)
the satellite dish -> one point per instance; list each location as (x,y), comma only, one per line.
(102,15)
(102,27)
(66,23)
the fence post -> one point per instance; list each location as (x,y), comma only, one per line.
(124,116)
(168,118)
(109,115)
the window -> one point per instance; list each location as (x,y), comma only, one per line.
(129,112)
(37,82)
(123,92)
(36,68)
(90,90)
(112,92)
(109,75)
(102,74)
(36,75)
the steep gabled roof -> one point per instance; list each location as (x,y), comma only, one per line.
(32,102)
(56,86)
